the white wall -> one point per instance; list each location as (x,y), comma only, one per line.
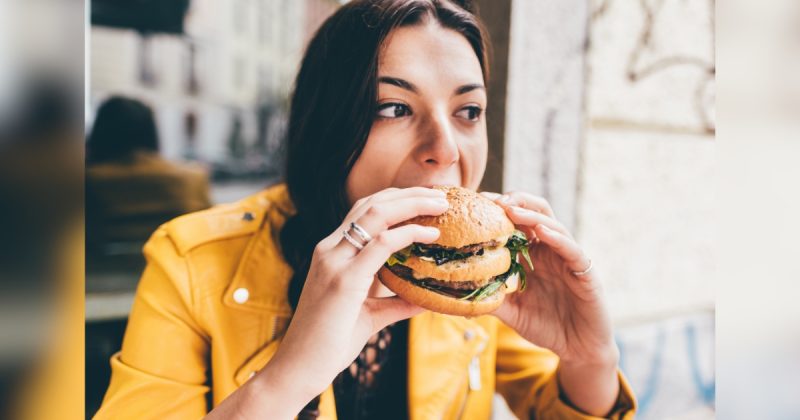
(610,116)
(646,201)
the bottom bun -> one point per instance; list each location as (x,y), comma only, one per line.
(436,302)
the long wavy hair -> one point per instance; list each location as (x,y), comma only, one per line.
(333,108)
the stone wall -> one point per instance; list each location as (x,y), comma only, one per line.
(610,116)
(646,200)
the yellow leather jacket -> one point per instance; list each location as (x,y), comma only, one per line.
(211,309)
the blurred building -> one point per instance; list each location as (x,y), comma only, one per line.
(220,88)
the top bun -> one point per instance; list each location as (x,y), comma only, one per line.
(471,219)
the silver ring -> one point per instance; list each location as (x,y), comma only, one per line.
(365,237)
(584,272)
(359,246)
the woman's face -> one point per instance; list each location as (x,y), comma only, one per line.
(430,126)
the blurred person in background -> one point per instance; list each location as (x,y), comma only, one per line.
(258,309)
(130,188)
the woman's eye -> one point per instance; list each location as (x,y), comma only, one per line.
(393,110)
(471,113)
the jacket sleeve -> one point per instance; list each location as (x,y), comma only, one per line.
(160,373)
(526,378)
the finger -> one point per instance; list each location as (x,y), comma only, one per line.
(381,216)
(533,202)
(389,194)
(521,216)
(527,201)
(371,258)
(506,310)
(565,247)
(363,204)
(491,195)
(530,233)
(521,199)
(388,310)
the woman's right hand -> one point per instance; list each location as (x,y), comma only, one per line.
(335,316)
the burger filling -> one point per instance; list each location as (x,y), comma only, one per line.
(472,290)
(441,255)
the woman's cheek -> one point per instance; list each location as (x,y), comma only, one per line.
(474,155)
(374,169)
(390,142)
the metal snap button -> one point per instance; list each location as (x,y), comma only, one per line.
(469,335)
(241,295)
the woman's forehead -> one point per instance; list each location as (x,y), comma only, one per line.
(429,54)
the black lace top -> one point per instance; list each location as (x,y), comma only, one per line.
(374,386)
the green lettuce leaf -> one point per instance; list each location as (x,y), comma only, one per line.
(400,256)
(518,243)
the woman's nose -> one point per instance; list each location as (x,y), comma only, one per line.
(439,148)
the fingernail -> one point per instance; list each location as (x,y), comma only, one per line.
(505,199)
(432,230)
(490,195)
(545,229)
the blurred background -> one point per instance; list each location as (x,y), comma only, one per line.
(605,108)
(41,199)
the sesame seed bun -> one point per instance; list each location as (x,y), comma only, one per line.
(470,219)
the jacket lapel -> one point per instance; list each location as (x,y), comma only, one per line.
(262,278)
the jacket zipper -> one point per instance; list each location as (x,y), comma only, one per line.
(473,383)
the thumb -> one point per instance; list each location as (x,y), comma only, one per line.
(388,310)
(507,312)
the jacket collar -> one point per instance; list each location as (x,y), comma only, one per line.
(263,273)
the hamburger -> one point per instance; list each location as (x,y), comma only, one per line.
(469,269)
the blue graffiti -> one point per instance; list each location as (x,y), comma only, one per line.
(650,388)
(707,389)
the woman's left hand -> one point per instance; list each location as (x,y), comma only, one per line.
(558,309)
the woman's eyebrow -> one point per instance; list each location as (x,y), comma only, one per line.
(396,81)
(405,84)
(468,88)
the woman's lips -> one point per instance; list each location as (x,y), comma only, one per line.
(429,184)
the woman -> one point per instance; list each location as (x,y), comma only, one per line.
(264,304)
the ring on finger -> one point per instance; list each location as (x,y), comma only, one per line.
(584,272)
(363,234)
(358,231)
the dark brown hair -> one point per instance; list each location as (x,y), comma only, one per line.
(122,127)
(333,108)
